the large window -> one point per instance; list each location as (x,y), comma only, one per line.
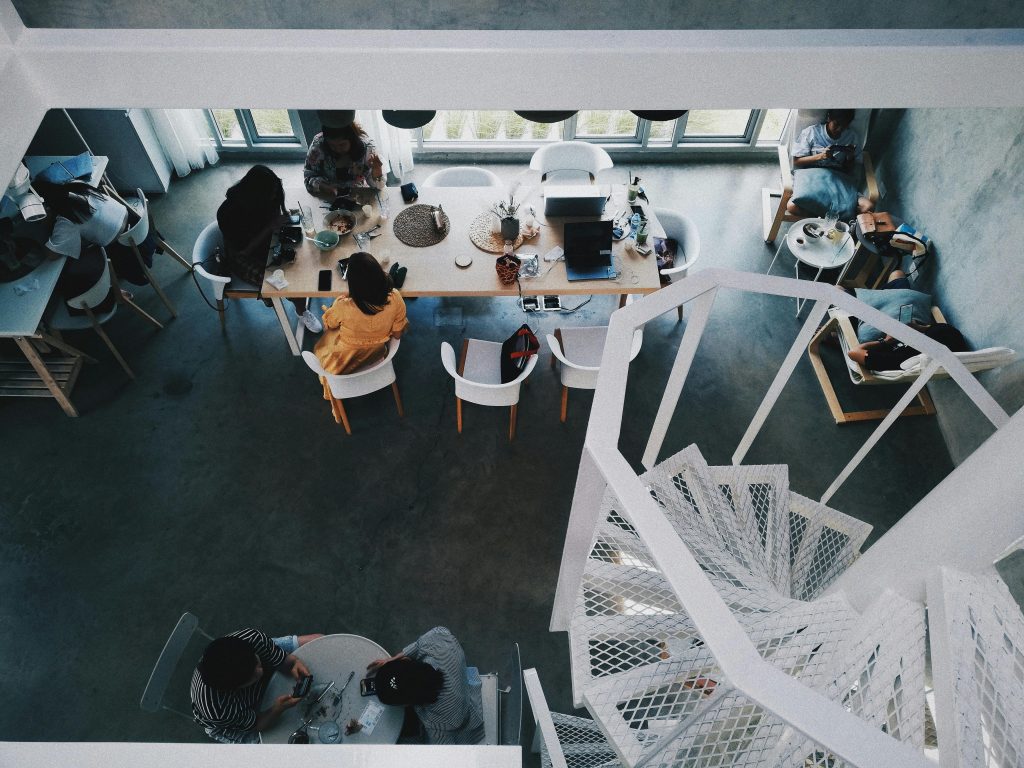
(249,128)
(484,130)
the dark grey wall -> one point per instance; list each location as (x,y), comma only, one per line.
(959,176)
(531,14)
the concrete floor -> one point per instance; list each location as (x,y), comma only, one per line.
(218,482)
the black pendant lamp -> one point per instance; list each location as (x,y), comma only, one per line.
(545,117)
(336,118)
(402,118)
(657,116)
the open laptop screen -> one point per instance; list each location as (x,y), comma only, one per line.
(588,242)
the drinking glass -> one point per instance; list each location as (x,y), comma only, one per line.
(383,200)
(308,225)
(327,732)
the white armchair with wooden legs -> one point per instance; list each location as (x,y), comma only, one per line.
(775,201)
(680,228)
(136,235)
(577,351)
(841,323)
(358,383)
(478,378)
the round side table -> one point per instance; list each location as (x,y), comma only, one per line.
(820,253)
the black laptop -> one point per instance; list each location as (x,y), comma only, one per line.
(588,250)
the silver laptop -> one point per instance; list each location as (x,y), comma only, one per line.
(574,200)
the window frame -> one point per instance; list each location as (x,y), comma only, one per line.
(640,141)
(251,137)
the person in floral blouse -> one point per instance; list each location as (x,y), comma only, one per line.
(341,157)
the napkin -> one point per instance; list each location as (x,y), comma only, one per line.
(277,280)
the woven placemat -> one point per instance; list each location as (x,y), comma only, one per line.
(486,240)
(415,226)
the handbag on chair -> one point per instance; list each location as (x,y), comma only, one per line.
(876,228)
(516,350)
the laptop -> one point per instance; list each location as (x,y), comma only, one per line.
(588,250)
(573,200)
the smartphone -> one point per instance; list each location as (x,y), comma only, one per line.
(295,219)
(368,686)
(638,209)
(324,282)
(906,313)
(343,267)
(302,686)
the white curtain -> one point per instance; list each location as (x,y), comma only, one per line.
(184,136)
(394,145)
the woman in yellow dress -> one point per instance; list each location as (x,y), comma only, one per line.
(357,327)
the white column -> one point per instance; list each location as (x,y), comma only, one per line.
(965,523)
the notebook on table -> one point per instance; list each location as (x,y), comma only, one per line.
(588,250)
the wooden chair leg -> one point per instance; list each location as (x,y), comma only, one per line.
(622,301)
(220,311)
(679,309)
(340,410)
(565,403)
(55,340)
(122,299)
(166,248)
(154,283)
(398,399)
(110,345)
(512,423)
(458,414)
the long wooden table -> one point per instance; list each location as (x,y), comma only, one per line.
(432,270)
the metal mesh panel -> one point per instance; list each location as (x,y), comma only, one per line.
(827,543)
(986,640)
(581,743)
(758,494)
(877,673)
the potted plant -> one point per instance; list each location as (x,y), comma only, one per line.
(506,214)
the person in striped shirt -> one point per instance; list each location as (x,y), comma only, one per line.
(232,676)
(430,675)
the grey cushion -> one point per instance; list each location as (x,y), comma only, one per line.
(889,302)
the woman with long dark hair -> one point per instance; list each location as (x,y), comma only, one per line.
(252,211)
(358,326)
(341,157)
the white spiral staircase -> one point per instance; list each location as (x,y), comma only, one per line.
(658,695)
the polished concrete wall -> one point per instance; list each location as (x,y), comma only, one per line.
(958,174)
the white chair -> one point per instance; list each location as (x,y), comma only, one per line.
(579,351)
(135,235)
(60,319)
(681,229)
(358,383)
(185,634)
(478,378)
(840,322)
(570,162)
(462,176)
(209,240)
(774,201)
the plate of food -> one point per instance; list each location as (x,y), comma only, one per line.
(341,222)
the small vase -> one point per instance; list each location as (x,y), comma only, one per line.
(509,228)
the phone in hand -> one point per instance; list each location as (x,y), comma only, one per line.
(324,281)
(906,313)
(302,686)
(368,686)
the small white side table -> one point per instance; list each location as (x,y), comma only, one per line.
(819,252)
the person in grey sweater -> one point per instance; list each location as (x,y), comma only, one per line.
(430,675)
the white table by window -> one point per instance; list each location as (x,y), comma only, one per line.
(820,253)
(329,658)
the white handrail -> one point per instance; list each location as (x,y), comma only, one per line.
(542,717)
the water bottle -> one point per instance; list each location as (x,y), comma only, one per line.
(634,224)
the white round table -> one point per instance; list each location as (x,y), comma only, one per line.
(820,253)
(332,657)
